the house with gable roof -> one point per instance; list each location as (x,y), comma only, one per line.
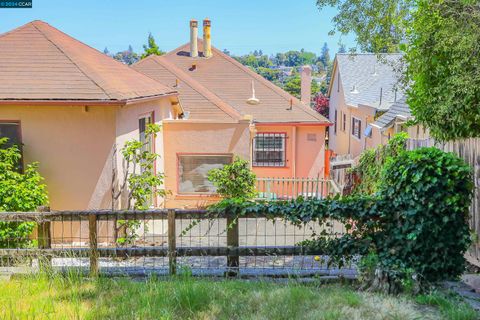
(231,110)
(69,106)
(367,106)
(72,108)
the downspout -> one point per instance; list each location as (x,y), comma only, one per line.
(294,150)
(253,131)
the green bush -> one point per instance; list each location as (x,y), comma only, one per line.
(234,180)
(426,195)
(18,192)
(368,171)
(414,228)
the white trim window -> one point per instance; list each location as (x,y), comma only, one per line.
(356,127)
(193,172)
(269,150)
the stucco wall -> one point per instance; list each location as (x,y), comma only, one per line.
(200,138)
(72,145)
(127,128)
(304,158)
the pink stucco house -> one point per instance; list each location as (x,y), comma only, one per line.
(230,110)
(72,108)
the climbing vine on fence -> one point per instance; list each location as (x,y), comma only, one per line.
(416,224)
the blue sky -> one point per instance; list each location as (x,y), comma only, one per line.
(239,26)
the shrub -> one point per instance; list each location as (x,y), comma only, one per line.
(369,169)
(426,195)
(234,180)
(18,192)
(414,229)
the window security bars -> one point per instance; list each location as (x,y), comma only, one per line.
(269,150)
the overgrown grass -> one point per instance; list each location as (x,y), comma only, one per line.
(451,307)
(74,297)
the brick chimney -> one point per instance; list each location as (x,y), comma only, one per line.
(207,42)
(306,85)
(193,38)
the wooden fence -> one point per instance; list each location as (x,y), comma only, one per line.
(469,150)
(175,247)
(292,188)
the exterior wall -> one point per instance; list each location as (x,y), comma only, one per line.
(337,142)
(366,116)
(202,138)
(304,158)
(127,128)
(73,146)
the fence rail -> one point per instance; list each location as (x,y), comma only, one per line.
(292,188)
(171,238)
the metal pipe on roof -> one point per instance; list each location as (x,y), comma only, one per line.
(193,38)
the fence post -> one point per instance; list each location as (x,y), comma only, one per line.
(92,234)
(232,244)
(44,240)
(172,245)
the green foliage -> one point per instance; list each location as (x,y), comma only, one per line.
(140,181)
(369,168)
(235,180)
(427,193)
(379,25)
(18,192)
(151,48)
(416,224)
(444,67)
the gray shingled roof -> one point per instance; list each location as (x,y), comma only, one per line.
(364,76)
(398,109)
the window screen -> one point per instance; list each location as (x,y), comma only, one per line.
(269,149)
(193,172)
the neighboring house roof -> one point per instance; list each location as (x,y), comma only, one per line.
(226,84)
(196,100)
(399,109)
(369,79)
(39,62)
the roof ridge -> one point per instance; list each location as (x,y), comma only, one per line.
(212,97)
(271,85)
(66,55)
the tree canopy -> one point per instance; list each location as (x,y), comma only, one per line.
(443,73)
(379,25)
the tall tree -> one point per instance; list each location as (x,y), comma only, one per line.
(379,25)
(127,56)
(342,48)
(325,56)
(105,51)
(443,67)
(151,47)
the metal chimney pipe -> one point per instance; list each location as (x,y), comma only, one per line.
(207,42)
(193,38)
(306,85)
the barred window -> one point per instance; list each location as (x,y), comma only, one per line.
(269,150)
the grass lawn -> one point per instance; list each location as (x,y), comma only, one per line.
(71,297)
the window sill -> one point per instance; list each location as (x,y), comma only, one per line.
(187,196)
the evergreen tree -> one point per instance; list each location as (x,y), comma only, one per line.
(151,48)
